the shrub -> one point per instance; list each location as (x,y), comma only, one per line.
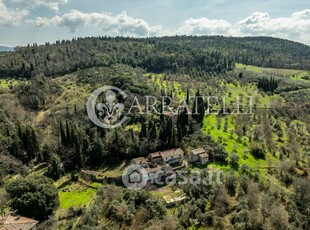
(33,196)
(257,150)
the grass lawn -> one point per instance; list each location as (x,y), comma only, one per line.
(75,195)
(168,191)
(288,73)
(300,75)
(113,170)
(96,184)
(229,138)
(270,71)
(216,166)
(251,68)
(163,191)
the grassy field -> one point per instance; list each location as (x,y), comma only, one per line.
(232,143)
(167,191)
(78,194)
(75,195)
(288,73)
(113,170)
(230,140)
(271,71)
(164,191)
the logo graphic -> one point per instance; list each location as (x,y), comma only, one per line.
(135,177)
(107,114)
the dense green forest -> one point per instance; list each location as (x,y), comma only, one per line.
(46,138)
(173,54)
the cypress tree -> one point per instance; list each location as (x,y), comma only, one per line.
(116,138)
(169,131)
(35,143)
(187,96)
(198,108)
(163,132)
(150,125)
(180,134)
(8,132)
(152,132)
(68,139)
(132,136)
(78,154)
(72,130)
(19,132)
(173,139)
(62,134)
(143,131)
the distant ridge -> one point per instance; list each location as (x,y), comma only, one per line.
(209,53)
(6,49)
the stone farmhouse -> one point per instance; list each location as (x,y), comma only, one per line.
(198,156)
(159,165)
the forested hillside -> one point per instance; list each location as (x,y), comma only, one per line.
(168,54)
(47,139)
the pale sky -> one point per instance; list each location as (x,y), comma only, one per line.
(38,21)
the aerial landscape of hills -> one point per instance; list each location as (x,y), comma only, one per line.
(154,115)
(61,171)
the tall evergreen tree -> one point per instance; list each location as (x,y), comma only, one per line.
(173,138)
(143,131)
(62,134)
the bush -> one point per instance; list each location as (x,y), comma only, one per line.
(55,170)
(279,218)
(33,196)
(257,150)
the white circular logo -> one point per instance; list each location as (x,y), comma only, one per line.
(135,177)
(110,113)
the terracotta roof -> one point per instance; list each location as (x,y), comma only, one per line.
(139,160)
(17,223)
(89,172)
(151,170)
(171,152)
(198,151)
(204,155)
(154,155)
